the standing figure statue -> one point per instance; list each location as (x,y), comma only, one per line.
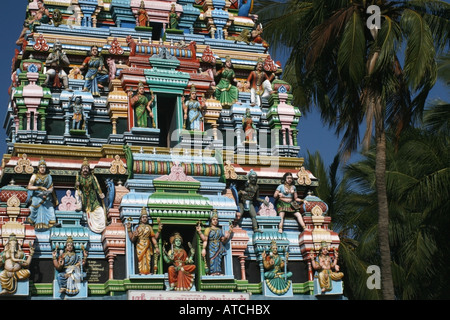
(225,91)
(70,268)
(276,275)
(142,106)
(193,111)
(77,117)
(146,243)
(181,271)
(96,74)
(247,197)
(325,266)
(173,18)
(214,238)
(288,201)
(55,63)
(43,198)
(259,83)
(249,127)
(143,19)
(89,191)
(14,265)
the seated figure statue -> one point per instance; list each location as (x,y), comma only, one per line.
(276,277)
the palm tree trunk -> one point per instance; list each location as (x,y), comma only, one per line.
(387,287)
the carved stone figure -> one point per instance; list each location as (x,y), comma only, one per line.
(146,242)
(225,91)
(193,111)
(181,269)
(55,63)
(96,73)
(70,267)
(249,127)
(14,265)
(77,117)
(89,191)
(276,275)
(288,201)
(173,18)
(259,83)
(143,19)
(214,239)
(247,197)
(325,266)
(142,106)
(43,198)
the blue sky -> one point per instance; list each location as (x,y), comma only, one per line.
(313,135)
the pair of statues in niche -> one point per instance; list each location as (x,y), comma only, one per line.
(277,277)
(286,196)
(15,266)
(143,20)
(88,197)
(96,75)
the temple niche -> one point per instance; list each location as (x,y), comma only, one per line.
(152,150)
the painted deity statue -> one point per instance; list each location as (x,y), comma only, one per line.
(43,198)
(288,201)
(14,265)
(247,197)
(70,268)
(225,91)
(181,270)
(173,18)
(214,238)
(259,83)
(146,242)
(42,15)
(249,127)
(276,274)
(143,19)
(325,266)
(55,63)
(89,191)
(142,106)
(193,111)
(77,117)
(96,75)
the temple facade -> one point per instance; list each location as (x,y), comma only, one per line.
(152,151)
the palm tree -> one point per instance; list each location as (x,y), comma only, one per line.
(354,73)
(418,186)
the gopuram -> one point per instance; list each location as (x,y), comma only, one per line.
(152,151)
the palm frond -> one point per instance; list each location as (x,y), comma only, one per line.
(420,51)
